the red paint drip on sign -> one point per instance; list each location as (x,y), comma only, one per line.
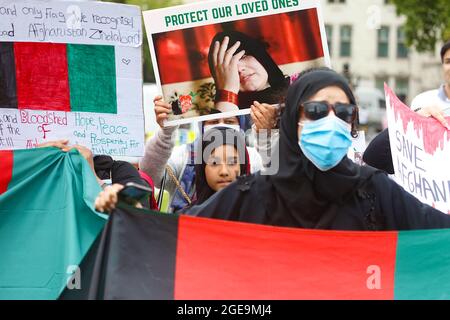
(433,132)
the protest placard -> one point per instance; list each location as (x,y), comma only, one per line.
(71,70)
(284,37)
(420,149)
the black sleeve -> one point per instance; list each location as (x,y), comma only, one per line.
(123,172)
(378,153)
(403,211)
(237,202)
(221,205)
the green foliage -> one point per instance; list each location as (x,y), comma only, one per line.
(149,75)
(428,22)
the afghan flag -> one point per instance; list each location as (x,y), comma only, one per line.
(47,220)
(58,77)
(158,256)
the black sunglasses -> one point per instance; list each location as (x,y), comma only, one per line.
(315,110)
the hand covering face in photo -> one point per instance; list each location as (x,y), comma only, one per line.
(277,82)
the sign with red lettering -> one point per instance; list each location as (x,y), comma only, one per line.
(71,70)
(420,149)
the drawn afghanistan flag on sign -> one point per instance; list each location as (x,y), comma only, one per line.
(58,77)
(47,220)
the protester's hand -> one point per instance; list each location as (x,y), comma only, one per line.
(162,110)
(107,199)
(435,112)
(226,65)
(64,146)
(61,144)
(86,153)
(264,116)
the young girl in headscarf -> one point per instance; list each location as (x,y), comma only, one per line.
(317,186)
(221,158)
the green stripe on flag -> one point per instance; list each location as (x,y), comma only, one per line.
(423,265)
(92,78)
(47,222)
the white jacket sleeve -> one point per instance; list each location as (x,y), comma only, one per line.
(264,143)
(255,160)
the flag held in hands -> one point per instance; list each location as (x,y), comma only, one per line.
(47,220)
(159,256)
(48,226)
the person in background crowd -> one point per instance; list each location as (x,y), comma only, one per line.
(160,155)
(225,157)
(436,101)
(317,186)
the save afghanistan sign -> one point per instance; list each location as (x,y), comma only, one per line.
(420,152)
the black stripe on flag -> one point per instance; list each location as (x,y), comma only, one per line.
(8,88)
(86,270)
(136,257)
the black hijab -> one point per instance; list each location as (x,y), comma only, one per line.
(311,197)
(209,139)
(253,47)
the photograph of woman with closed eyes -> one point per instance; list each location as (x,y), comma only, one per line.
(226,67)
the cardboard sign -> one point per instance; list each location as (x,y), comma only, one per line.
(420,149)
(71,70)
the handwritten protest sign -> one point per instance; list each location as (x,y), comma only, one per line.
(420,149)
(71,70)
(285,37)
(70,22)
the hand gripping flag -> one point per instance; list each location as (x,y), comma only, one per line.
(47,221)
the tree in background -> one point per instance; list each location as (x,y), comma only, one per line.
(428,22)
(149,75)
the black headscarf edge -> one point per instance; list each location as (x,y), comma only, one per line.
(306,85)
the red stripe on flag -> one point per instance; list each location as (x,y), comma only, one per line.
(42,76)
(6,165)
(224,260)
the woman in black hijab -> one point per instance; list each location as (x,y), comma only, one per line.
(244,72)
(322,189)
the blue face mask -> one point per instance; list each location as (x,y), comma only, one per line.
(325,141)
